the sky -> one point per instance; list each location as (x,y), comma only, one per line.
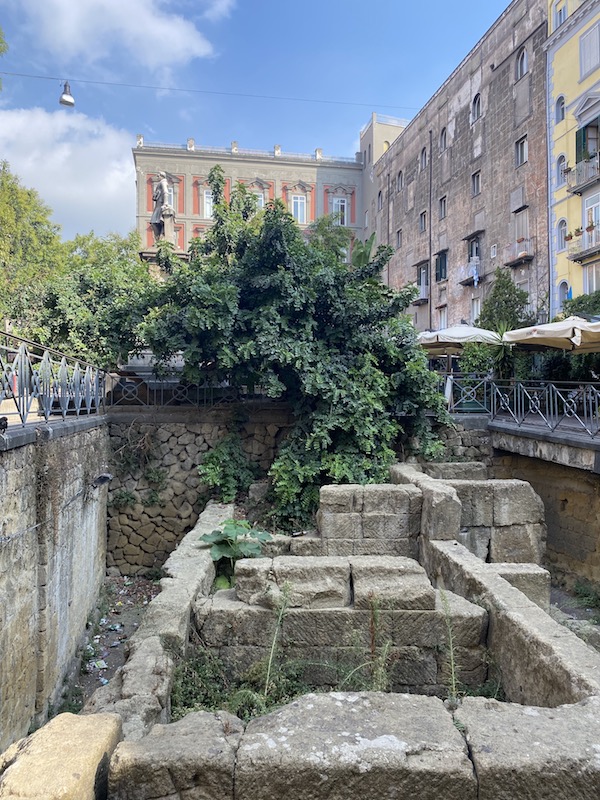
(261,72)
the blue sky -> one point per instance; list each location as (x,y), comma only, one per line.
(387,56)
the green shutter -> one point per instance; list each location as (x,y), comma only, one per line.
(580,144)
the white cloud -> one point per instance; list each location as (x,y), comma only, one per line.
(81,167)
(217,9)
(94,31)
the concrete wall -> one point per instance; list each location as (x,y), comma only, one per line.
(147,528)
(52,561)
(571,499)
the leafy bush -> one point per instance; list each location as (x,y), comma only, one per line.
(236,539)
(227,470)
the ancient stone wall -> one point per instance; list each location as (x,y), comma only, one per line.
(468,439)
(571,499)
(52,561)
(156,495)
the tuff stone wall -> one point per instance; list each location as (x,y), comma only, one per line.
(571,499)
(156,494)
(52,561)
(468,439)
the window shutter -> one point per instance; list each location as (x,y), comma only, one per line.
(580,144)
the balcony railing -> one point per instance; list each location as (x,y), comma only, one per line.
(585,245)
(519,252)
(38,383)
(423,296)
(583,174)
(466,394)
(565,407)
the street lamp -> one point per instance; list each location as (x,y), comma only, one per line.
(66,98)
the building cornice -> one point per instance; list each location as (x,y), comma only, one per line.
(567,29)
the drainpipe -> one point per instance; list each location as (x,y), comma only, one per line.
(430,304)
(387,269)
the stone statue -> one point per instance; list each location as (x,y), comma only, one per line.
(163,212)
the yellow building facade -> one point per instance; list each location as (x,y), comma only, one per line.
(573,107)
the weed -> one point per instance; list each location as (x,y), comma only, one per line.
(153,498)
(236,539)
(227,470)
(122,498)
(136,453)
(588,596)
(453,699)
(156,476)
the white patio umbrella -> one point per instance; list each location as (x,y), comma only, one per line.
(575,334)
(449,341)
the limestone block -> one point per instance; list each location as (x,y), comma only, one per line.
(167,616)
(385,498)
(404,473)
(338,525)
(517,543)
(476,540)
(315,627)
(192,758)
(341,547)
(531,579)
(456,470)
(519,751)
(412,666)
(67,759)
(148,671)
(382,547)
(515,503)
(391,583)
(384,526)
(227,621)
(442,511)
(355,745)
(340,499)
(308,546)
(477,502)
(315,582)
(253,579)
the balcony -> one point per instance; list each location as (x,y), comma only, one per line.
(423,296)
(520,252)
(584,246)
(469,274)
(584,174)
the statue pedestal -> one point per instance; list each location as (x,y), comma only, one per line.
(168,215)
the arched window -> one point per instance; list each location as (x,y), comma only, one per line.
(563,294)
(379,201)
(560,109)
(386,146)
(423,159)
(561,164)
(521,66)
(400,181)
(369,153)
(443,140)
(476,108)
(561,232)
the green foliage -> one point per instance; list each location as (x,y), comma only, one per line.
(122,498)
(505,305)
(362,251)
(260,305)
(227,469)
(583,304)
(236,539)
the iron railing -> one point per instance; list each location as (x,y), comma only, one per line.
(564,407)
(466,394)
(37,382)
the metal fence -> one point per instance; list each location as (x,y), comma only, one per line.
(466,394)
(567,407)
(38,383)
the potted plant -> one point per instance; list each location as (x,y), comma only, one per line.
(590,227)
(568,236)
(520,239)
(578,231)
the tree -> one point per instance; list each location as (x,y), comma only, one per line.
(268,307)
(30,247)
(93,307)
(505,306)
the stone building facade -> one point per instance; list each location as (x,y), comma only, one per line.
(462,190)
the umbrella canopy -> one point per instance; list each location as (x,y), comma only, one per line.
(452,340)
(573,333)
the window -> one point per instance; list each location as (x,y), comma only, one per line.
(563,294)
(559,111)
(443,140)
(260,199)
(561,232)
(589,50)
(592,217)
(208,204)
(493,251)
(400,181)
(521,66)
(476,183)
(369,148)
(366,219)
(476,108)
(422,221)
(441,266)
(364,156)
(591,278)
(561,165)
(560,15)
(399,238)
(442,318)
(473,248)
(522,225)
(475,309)
(521,151)
(379,201)
(171,197)
(586,142)
(299,208)
(524,287)
(423,159)
(423,278)
(340,210)
(443,207)
(386,146)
